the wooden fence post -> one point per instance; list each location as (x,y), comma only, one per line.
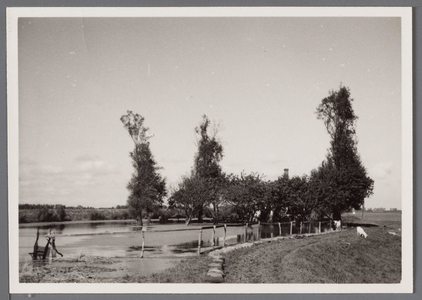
(272,235)
(310,224)
(259,230)
(213,238)
(279,229)
(246,232)
(50,254)
(199,241)
(301,224)
(319,227)
(143,242)
(225,232)
(291,227)
(331,225)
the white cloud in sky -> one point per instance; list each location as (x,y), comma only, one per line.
(49,183)
(272,159)
(381,170)
(173,159)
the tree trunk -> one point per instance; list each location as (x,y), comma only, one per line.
(337,215)
(140,222)
(215,216)
(200,214)
(188,220)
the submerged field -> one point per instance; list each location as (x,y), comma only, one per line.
(338,257)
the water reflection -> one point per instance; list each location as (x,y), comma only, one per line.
(71,240)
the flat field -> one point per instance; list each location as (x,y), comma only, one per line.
(387,219)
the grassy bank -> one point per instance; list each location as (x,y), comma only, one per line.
(333,258)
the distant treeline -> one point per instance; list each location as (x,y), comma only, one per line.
(54,206)
(31,213)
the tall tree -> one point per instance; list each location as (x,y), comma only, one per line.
(342,178)
(249,195)
(207,163)
(189,196)
(146,187)
(280,198)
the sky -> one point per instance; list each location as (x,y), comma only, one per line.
(261,79)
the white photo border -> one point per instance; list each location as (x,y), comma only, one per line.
(405,13)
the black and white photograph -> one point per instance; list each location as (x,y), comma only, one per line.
(210,150)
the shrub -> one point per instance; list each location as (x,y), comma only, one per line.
(46,215)
(23,219)
(61,212)
(95,215)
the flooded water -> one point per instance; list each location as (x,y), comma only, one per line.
(124,239)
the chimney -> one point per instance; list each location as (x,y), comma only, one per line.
(286,173)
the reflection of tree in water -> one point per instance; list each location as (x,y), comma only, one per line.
(139,248)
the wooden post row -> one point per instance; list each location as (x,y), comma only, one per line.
(199,241)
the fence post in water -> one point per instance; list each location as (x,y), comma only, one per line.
(50,254)
(225,231)
(319,227)
(143,242)
(246,232)
(199,241)
(213,237)
(291,227)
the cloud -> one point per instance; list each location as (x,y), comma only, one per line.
(381,170)
(53,182)
(174,159)
(96,167)
(272,159)
(27,162)
(87,157)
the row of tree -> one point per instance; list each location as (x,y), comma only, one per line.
(54,206)
(337,185)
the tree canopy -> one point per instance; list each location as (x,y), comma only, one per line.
(341,182)
(337,185)
(146,187)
